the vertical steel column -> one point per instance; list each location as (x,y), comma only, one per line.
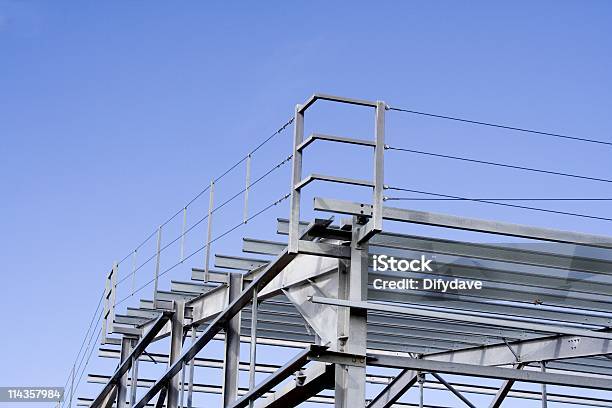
(231,358)
(182,387)
(296,177)
(211,203)
(421,380)
(245,215)
(253,350)
(379,167)
(352,323)
(157,265)
(126,346)
(176,343)
(191,371)
(544,393)
(134,375)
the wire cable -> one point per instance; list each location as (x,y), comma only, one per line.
(198,195)
(204,246)
(93,318)
(91,347)
(495,199)
(232,198)
(510,166)
(500,204)
(476,122)
(215,180)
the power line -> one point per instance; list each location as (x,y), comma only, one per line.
(500,204)
(476,122)
(511,166)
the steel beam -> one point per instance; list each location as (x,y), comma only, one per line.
(231,353)
(546,328)
(453,390)
(394,391)
(279,376)
(493,252)
(253,344)
(136,351)
(263,247)
(134,375)
(466,224)
(176,343)
(504,389)
(352,325)
(315,379)
(490,372)
(126,344)
(237,262)
(270,271)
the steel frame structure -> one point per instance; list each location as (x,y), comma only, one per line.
(315,293)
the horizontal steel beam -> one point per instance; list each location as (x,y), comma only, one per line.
(488,372)
(527,254)
(463,305)
(546,328)
(263,247)
(240,263)
(467,224)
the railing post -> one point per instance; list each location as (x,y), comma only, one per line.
(183,234)
(157,265)
(296,177)
(379,167)
(134,270)
(247,187)
(211,203)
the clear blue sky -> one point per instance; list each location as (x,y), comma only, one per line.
(113,115)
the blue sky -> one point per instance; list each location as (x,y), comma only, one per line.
(113,115)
